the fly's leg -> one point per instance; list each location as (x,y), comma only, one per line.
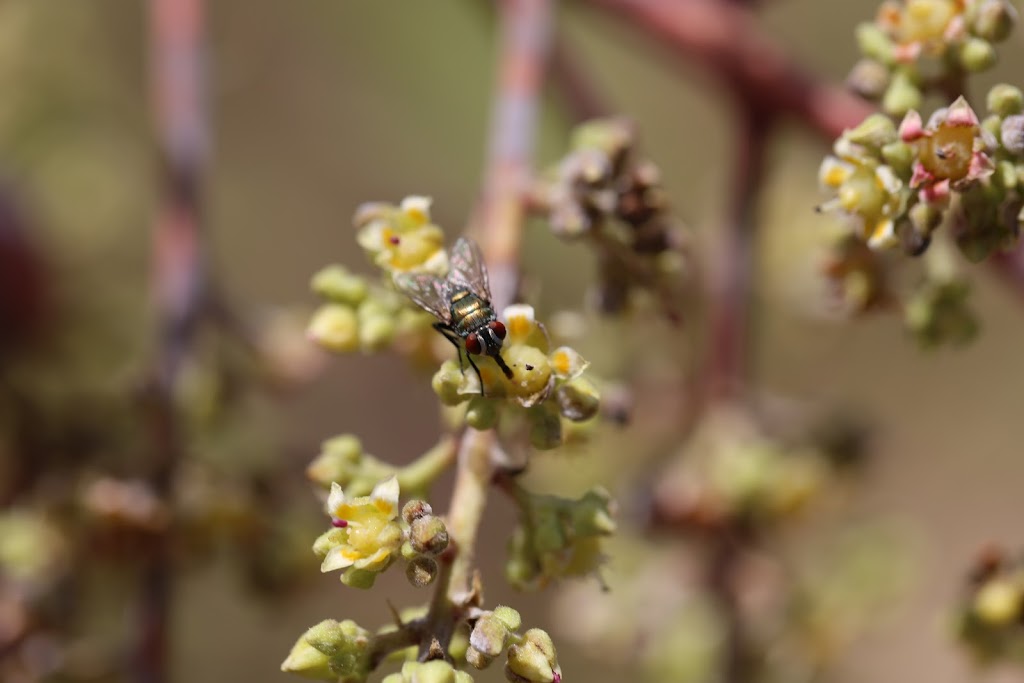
(449,334)
(477,370)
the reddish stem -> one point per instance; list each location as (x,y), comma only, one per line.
(178,285)
(724,38)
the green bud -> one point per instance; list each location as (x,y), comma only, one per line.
(869,79)
(593,514)
(408,552)
(1006,174)
(874,132)
(1005,100)
(446,383)
(1011,134)
(875,44)
(578,399)
(421,571)
(436,671)
(900,156)
(612,136)
(358,578)
(994,20)
(335,328)
(428,535)
(338,461)
(339,286)
(305,660)
(481,414)
(345,645)
(902,95)
(977,54)
(533,659)
(376,333)
(509,617)
(489,635)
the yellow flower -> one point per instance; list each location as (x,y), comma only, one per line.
(366,535)
(867,192)
(402,238)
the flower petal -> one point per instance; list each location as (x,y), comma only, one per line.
(417,209)
(519,322)
(567,362)
(378,561)
(385,497)
(339,557)
(335,500)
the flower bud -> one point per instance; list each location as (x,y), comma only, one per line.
(534,659)
(338,461)
(489,635)
(335,327)
(377,332)
(1011,134)
(875,44)
(994,20)
(874,132)
(481,414)
(428,535)
(902,95)
(977,54)
(999,602)
(869,79)
(344,650)
(421,571)
(508,616)
(359,578)
(415,509)
(578,399)
(447,382)
(339,286)
(1005,100)
(435,671)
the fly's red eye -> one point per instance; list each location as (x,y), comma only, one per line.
(498,328)
(473,344)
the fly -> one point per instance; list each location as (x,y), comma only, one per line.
(461,302)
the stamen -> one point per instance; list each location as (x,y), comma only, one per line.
(339,523)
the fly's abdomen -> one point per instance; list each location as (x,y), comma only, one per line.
(469,313)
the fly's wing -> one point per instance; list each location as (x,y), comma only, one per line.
(467,268)
(428,292)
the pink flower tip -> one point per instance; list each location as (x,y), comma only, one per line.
(339,523)
(961,114)
(912,127)
(394,239)
(557,678)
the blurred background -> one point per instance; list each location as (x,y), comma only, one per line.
(317,106)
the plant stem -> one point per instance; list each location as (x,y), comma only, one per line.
(179,279)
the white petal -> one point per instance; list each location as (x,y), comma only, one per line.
(335,500)
(519,321)
(337,558)
(417,208)
(387,491)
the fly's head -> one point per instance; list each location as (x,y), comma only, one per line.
(487,340)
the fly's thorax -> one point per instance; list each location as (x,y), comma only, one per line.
(469,312)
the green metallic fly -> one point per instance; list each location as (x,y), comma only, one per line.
(461,302)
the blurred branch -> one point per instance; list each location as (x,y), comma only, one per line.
(525,30)
(179,284)
(724,37)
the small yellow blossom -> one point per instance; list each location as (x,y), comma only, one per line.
(402,238)
(366,536)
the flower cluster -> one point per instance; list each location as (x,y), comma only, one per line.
(602,191)
(734,473)
(531,657)
(990,618)
(914,46)
(898,188)
(558,537)
(366,536)
(546,384)
(357,316)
